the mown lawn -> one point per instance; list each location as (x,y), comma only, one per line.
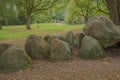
(10,32)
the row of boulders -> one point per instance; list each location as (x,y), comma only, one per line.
(70,37)
(53,48)
(99,33)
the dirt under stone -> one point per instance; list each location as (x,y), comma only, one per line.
(76,69)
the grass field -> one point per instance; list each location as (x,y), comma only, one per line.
(10,32)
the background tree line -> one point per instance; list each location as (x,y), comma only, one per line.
(14,12)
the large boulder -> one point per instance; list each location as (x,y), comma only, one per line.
(91,49)
(78,39)
(14,59)
(103,30)
(49,38)
(70,37)
(4,47)
(60,50)
(36,47)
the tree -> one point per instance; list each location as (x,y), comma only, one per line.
(31,7)
(0,24)
(72,13)
(7,12)
(11,13)
(42,18)
(58,11)
(59,15)
(114,10)
(1,13)
(102,6)
(87,8)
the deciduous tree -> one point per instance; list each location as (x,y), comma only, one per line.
(8,11)
(87,8)
(30,7)
(72,14)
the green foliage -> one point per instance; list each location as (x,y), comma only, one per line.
(72,15)
(87,8)
(42,18)
(102,8)
(8,12)
(59,15)
(31,7)
(47,11)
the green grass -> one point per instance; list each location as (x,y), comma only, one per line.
(10,32)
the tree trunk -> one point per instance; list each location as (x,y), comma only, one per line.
(0,25)
(86,19)
(6,21)
(13,23)
(114,10)
(28,22)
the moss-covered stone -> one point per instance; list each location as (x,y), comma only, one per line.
(103,30)
(70,37)
(46,38)
(49,38)
(36,47)
(91,49)
(4,47)
(14,59)
(60,50)
(78,39)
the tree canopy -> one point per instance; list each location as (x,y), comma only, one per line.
(67,11)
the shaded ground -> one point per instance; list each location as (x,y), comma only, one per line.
(75,69)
